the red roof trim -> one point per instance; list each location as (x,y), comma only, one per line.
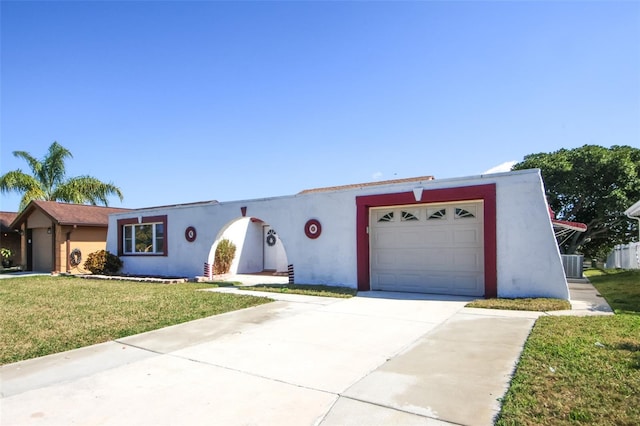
(575,226)
(565,224)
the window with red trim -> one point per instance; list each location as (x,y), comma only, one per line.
(144,236)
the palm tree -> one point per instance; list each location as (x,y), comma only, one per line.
(48,181)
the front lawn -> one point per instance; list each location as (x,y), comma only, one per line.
(582,370)
(44,315)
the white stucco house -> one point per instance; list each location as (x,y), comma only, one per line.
(486,236)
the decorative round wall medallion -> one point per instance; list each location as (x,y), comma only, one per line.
(312,228)
(190,234)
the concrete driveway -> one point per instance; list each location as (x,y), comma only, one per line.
(377,359)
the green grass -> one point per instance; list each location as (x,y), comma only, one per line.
(582,370)
(44,315)
(525,304)
(308,290)
(620,288)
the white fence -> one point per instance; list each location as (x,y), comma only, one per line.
(624,257)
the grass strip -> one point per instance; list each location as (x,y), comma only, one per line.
(307,290)
(44,315)
(525,304)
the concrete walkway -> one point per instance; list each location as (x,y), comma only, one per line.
(377,359)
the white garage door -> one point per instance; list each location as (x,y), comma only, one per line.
(433,248)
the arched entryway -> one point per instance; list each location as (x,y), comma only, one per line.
(259,248)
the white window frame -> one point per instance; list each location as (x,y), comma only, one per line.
(153,247)
(127,228)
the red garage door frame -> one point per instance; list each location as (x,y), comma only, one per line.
(486,193)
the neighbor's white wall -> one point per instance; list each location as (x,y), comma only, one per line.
(529,262)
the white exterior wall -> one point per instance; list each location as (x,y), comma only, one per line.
(529,262)
(247,238)
(528,259)
(249,256)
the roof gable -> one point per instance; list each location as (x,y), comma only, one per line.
(68,214)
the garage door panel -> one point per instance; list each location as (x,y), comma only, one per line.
(467,260)
(384,259)
(386,238)
(413,237)
(468,284)
(436,284)
(466,236)
(441,253)
(439,259)
(435,238)
(409,239)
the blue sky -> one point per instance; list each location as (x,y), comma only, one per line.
(177,102)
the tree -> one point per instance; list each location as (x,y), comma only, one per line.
(48,181)
(592,185)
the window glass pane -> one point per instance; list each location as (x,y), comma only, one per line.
(159,238)
(433,214)
(144,238)
(128,239)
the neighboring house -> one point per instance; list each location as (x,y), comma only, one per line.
(488,235)
(10,238)
(633,212)
(627,256)
(57,237)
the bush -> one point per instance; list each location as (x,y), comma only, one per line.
(103,263)
(225,252)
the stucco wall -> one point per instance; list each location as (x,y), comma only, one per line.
(247,237)
(86,239)
(529,262)
(528,258)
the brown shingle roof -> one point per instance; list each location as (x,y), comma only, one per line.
(69,214)
(5,220)
(360,185)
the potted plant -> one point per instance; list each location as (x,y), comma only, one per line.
(6,254)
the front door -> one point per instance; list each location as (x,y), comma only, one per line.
(270,252)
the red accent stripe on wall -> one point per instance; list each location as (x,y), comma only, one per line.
(487,193)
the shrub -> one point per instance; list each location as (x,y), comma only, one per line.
(225,252)
(103,263)
(6,254)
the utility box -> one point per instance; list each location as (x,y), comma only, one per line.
(572,264)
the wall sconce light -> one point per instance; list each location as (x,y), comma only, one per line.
(48,230)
